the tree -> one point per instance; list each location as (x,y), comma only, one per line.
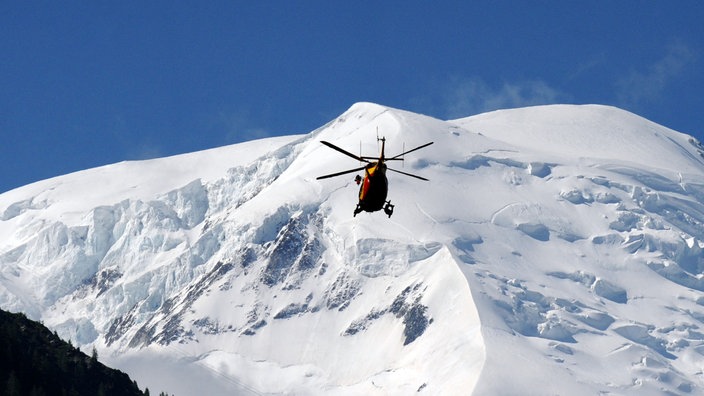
(12,387)
(37,391)
(94,356)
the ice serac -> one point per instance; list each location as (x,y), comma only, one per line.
(560,242)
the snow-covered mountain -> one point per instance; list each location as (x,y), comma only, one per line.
(555,250)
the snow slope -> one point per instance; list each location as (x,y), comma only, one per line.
(555,250)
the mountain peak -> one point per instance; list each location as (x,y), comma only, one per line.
(547,238)
(604,133)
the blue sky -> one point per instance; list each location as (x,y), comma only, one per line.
(88,83)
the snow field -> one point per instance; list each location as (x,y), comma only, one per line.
(555,250)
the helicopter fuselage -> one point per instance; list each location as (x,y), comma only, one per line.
(374,187)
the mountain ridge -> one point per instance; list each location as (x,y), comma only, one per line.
(527,251)
(34,360)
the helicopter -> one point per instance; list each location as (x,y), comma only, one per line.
(374,187)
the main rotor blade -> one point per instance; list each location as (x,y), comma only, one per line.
(347,153)
(410,151)
(340,173)
(385,159)
(407,174)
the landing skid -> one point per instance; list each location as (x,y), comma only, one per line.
(388,209)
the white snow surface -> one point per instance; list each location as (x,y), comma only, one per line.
(555,250)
